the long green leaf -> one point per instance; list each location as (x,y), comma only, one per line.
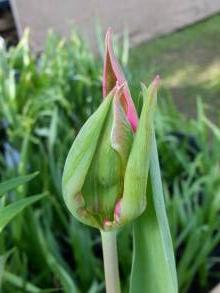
(15,182)
(3,259)
(9,212)
(55,264)
(18,282)
(153,268)
(2,266)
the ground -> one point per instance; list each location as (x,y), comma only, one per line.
(188,62)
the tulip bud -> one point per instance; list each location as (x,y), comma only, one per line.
(105,174)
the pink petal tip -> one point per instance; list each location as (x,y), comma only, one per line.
(113,76)
(156,80)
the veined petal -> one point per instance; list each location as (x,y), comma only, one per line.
(121,135)
(103,185)
(112,75)
(79,160)
(133,202)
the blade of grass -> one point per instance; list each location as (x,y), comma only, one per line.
(18,282)
(15,182)
(61,273)
(9,212)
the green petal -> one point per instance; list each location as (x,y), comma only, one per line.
(102,184)
(121,136)
(135,184)
(79,160)
(104,181)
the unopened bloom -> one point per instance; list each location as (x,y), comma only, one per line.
(106,170)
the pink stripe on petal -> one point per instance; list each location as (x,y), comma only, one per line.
(112,74)
(131,112)
(117,211)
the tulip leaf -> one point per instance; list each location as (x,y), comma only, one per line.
(153,268)
(8,212)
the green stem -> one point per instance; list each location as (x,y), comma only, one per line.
(110,256)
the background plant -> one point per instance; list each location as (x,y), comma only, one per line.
(9,211)
(44,100)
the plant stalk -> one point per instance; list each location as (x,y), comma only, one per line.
(110,256)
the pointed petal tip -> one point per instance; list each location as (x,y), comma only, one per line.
(156,80)
(108,38)
(113,76)
(109,31)
(109,74)
(154,84)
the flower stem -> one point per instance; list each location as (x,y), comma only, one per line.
(110,256)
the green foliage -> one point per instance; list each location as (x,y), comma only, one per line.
(44,101)
(190,163)
(7,213)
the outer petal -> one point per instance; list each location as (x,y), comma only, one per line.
(79,160)
(112,75)
(103,184)
(133,202)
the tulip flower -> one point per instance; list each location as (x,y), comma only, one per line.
(106,170)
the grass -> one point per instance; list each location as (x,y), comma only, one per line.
(188,62)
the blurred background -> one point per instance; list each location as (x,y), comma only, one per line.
(51,56)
